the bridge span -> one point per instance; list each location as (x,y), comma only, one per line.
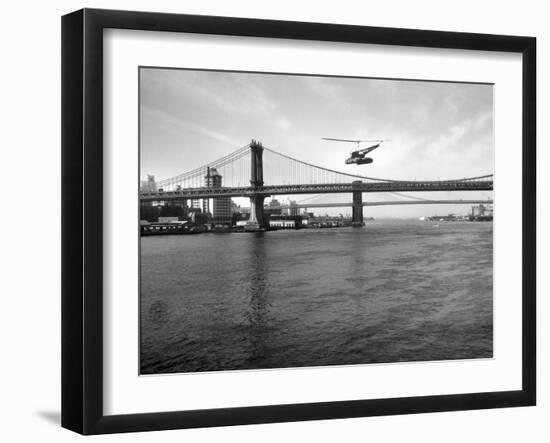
(327,188)
(243,173)
(382,203)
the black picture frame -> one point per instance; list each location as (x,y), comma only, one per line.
(82,234)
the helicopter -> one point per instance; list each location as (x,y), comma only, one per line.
(358,156)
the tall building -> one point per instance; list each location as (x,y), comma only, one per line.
(293,208)
(205,205)
(221,206)
(195,203)
(148,185)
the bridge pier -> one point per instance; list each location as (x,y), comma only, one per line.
(357,208)
(256,221)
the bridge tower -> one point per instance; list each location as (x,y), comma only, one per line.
(256,220)
(357,208)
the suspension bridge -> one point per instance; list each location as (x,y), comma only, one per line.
(256,172)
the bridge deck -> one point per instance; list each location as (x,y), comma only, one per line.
(381,203)
(394,186)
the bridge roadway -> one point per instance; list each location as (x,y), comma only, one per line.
(389,186)
(382,203)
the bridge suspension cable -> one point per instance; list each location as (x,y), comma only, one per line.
(322,173)
(278,169)
(234,169)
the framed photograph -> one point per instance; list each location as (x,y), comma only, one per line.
(268,221)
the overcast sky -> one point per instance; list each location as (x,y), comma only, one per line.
(437,130)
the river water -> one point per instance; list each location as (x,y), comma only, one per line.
(392,291)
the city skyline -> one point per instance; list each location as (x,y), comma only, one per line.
(437,130)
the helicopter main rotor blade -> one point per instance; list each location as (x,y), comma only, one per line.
(341,140)
(355,141)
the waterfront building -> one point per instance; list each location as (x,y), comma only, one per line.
(327,221)
(174,209)
(482,213)
(482,210)
(268,212)
(286,221)
(273,208)
(171,219)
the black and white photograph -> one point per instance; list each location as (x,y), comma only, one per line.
(292,221)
